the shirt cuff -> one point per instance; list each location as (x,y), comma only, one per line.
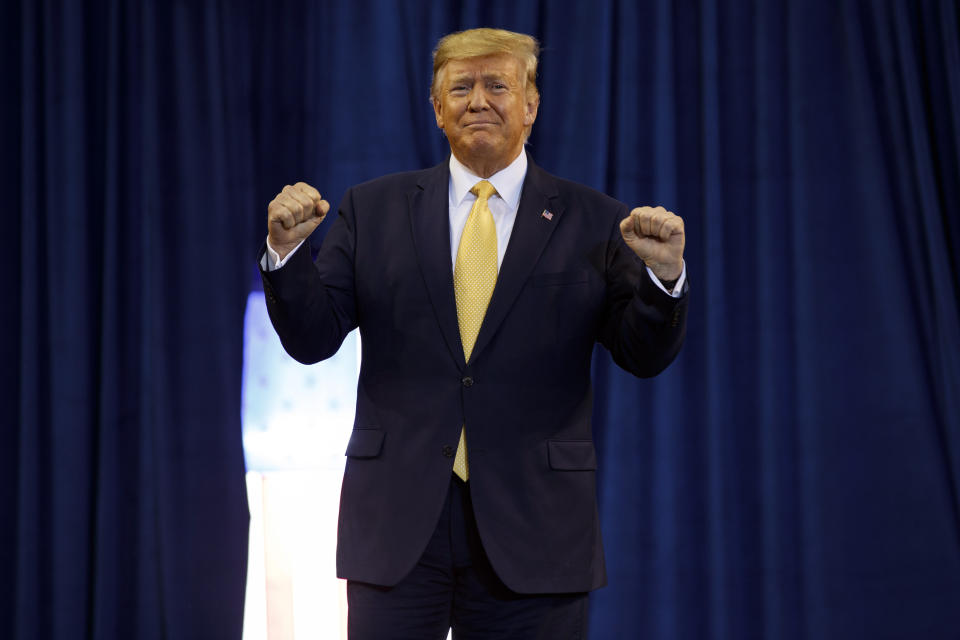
(271,260)
(677,288)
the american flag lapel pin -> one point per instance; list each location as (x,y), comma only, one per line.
(547,214)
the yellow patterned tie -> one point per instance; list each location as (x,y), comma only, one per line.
(474,276)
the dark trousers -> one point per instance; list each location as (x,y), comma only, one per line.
(454,586)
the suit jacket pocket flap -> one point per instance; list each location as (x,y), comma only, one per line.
(571,455)
(365,443)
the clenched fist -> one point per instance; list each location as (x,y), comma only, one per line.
(293,215)
(656,235)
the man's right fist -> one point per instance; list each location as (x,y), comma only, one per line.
(293,215)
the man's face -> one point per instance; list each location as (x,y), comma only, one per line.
(483,108)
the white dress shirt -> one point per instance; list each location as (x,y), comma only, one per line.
(503,204)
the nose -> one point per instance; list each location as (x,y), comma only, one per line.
(478,98)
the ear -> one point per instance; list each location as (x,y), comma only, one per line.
(530,113)
(438,112)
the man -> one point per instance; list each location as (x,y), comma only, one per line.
(480,287)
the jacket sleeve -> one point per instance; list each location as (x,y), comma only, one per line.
(643,327)
(312,305)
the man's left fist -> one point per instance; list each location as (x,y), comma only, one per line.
(656,235)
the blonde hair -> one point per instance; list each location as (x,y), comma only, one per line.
(474,43)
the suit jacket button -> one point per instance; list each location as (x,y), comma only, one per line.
(467,381)
(448,451)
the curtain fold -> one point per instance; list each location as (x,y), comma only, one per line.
(794,474)
(130,505)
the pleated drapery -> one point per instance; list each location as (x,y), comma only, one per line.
(794,474)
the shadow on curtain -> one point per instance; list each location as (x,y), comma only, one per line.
(793,475)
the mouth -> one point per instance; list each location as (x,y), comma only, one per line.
(481,123)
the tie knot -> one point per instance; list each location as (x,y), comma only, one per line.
(483,190)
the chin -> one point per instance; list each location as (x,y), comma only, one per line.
(481,148)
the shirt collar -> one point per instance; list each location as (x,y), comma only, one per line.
(508,181)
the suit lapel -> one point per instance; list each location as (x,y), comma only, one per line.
(430,221)
(531,232)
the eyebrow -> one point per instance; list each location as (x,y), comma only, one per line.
(464,77)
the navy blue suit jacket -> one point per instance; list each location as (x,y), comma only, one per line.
(566,282)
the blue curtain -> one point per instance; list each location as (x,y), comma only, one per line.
(794,474)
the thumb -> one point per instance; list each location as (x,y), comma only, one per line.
(310,224)
(321,210)
(319,214)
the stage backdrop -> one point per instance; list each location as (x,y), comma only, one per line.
(794,474)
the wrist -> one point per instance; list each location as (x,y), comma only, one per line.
(281,250)
(667,275)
